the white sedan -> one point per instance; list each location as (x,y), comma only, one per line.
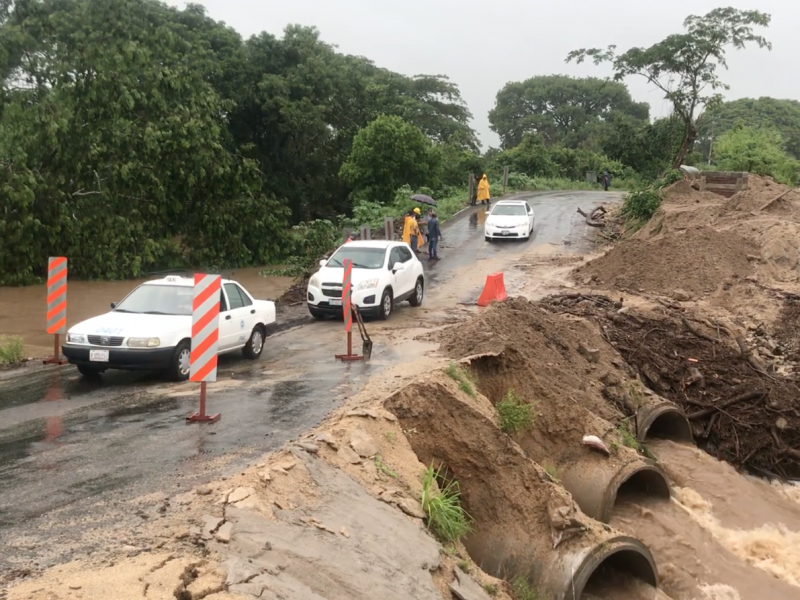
(509,219)
(151,329)
(384,273)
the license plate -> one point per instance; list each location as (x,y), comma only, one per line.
(335,302)
(98,355)
(505,233)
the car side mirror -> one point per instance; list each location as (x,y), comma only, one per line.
(323,262)
(398,266)
(113,305)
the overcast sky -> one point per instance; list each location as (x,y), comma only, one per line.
(483,45)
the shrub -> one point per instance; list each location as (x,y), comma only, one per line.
(641,204)
(11,350)
(463,377)
(446,518)
(515,413)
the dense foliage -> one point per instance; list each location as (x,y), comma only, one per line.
(566,110)
(134,135)
(757,150)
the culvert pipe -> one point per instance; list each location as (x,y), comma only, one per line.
(596,482)
(523,524)
(658,418)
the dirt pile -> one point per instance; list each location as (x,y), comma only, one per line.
(698,260)
(703,243)
(741,410)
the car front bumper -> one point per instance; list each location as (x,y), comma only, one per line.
(496,232)
(145,359)
(367,301)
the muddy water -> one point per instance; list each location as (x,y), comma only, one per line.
(22,309)
(619,586)
(723,536)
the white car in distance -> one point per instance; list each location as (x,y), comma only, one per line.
(384,274)
(151,329)
(509,219)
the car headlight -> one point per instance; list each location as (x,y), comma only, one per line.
(144,342)
(76,338)
(314,281)
(368,284)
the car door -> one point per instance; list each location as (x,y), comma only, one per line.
(227,330)
(406,277)
(240,315)
(530,216)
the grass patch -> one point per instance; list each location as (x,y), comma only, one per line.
(464,378)
(522,590)
(515,414)
(464,566)
(383,467)
(11,350)
(446,517)
(627,436)
(490,589)
(552,471)
(389,435)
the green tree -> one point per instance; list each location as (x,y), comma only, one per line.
(387,154)
(771,113)
(757,150)
(531,157)
(561,109)
(685,66)
(648,149)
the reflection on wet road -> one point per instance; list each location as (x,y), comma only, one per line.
(66,440)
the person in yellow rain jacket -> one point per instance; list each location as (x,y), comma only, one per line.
(483,190)
(411,232)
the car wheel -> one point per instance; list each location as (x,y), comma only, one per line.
(88,371)
(181,362)
(387,305)
(316,314)
(487,238)
(419,293)
(255,345)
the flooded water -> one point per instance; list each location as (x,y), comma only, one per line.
(723,536)
(22,309)
(620,586)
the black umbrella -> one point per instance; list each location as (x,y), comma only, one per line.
(423,199)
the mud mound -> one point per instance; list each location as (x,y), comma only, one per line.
(682,193)
(698,260)
(740,413)
(762,193)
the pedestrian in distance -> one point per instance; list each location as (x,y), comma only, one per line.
(434,235)
(606,180)
(483,191)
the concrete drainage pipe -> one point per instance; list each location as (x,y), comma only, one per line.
(596,482)
(662,419)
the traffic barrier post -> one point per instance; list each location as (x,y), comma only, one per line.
(205,339)
(56,305)
(347,313)
(494,290)
(365,232)
(388,225)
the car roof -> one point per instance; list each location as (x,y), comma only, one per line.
(370,244)
(510,202)
(177,281)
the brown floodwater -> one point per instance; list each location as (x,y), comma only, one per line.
(22,309)
(724,536)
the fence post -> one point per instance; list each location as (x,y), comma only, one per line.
(703,183)
(365,232)
(388,225)
(471,186)
(205,339)
(505,178)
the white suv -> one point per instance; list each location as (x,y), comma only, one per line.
(384,273)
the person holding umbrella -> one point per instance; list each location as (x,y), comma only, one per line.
(483,190)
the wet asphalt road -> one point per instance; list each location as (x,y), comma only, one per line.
(72,449)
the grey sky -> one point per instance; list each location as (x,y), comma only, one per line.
(483,45)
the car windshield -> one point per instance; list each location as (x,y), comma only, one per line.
(158,300)
(503,210)
(363,258)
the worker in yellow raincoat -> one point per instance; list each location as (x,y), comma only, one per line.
(411,232)
(483,190)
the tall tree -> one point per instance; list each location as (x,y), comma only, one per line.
(561,109)
(770,113)
(685,66)
(388,154)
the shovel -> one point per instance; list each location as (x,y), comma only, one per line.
(366,346)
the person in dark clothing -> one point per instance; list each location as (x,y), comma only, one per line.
(434,235)
(606,180)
